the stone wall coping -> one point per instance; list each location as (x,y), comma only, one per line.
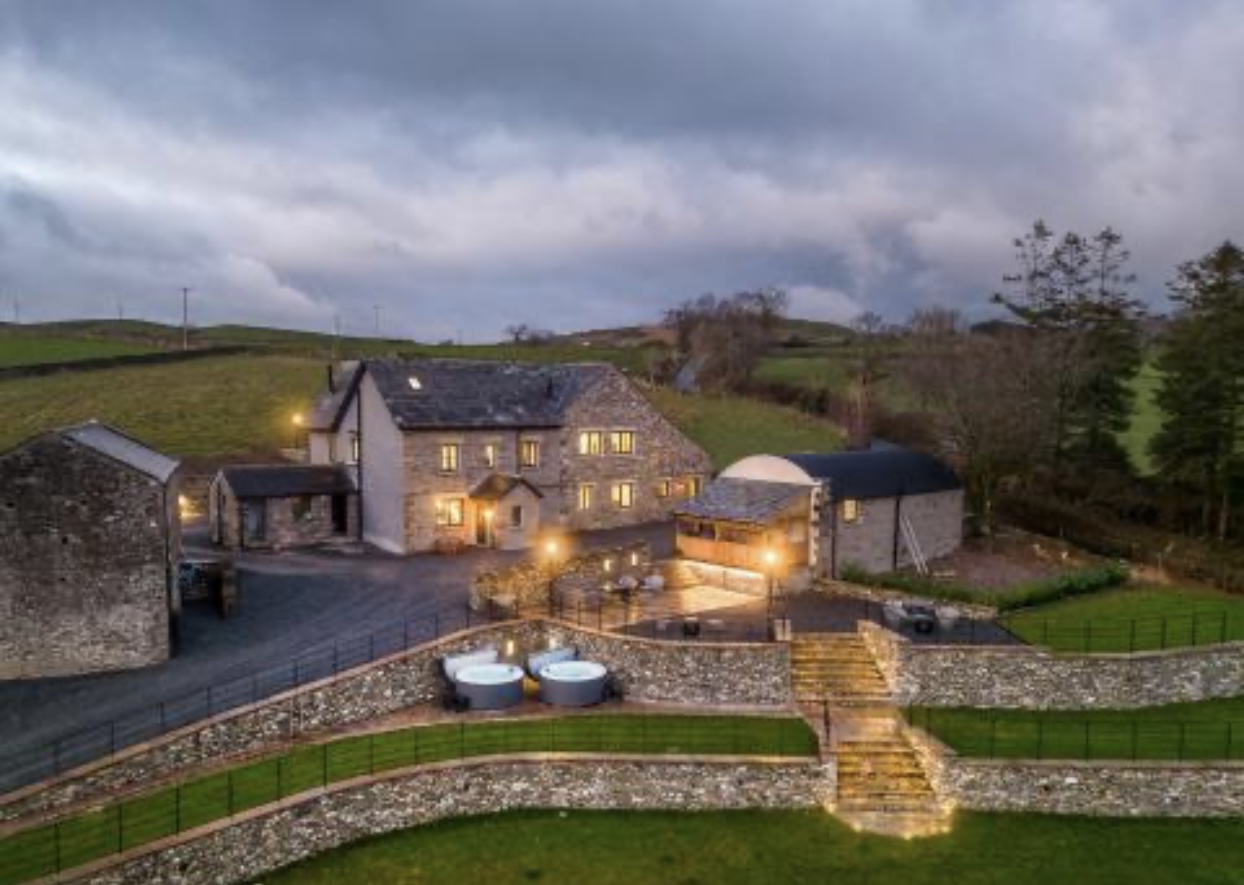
(138,749)
(1103,764)
(576,759)
(1040,651)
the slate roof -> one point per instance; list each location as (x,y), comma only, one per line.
(884,471)
(288,480)
(497,485)
(120,447)
(481,393)
(742,500)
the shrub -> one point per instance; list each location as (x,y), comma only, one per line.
(1076,583)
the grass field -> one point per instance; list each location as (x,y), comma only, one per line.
(1139,618)
(763,847)
(95,834)
(239,405)
(731,427)
(1204,730)
(1146,419)
(28,350)
(209,407)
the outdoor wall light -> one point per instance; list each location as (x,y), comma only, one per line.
(608,565)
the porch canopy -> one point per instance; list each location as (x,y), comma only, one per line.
(736,521)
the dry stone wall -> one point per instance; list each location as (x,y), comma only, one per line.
(694,674)
(1122,789)
(1026,677)
(252,845)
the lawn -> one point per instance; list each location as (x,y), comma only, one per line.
(1141,618)
(1204,730)
(29,350)
(752,847)
(144,819)
(731,427)
(1146,418)
(215,406)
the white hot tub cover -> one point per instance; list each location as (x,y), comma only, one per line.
(573,671)
(489,674)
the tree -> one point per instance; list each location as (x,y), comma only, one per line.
(726,336)
(1201,442)
(990,398)
(1074,292)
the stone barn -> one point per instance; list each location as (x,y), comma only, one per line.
(811,516)
(283,505)
(89,542)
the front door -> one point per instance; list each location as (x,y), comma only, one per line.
(483,526)
(341,511)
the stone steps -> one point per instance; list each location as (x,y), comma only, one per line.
(836,667)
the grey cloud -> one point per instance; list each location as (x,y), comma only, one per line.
(469,164)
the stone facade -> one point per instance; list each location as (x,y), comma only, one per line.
(873,541)
(693,674)
(253,844)
(87,550)
(416,484)
(528,584)
(1026,677)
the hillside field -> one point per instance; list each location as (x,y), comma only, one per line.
(28,350)
(243,405)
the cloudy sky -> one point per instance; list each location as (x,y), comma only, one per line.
(582,163)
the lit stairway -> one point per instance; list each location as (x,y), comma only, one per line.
(882,787)
(836,667)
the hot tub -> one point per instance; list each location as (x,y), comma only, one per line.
(573,683)
(490,686)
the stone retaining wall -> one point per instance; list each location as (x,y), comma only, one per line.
(526,583)
(1026,677)
(695,674)
(251,845)
(1113,789)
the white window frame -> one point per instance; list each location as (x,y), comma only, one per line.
(445,512)
(490,455)
(587,496)
(522,453)
(852,511)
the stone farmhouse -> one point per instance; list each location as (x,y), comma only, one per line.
(451,453)
(89,542)
(809,516)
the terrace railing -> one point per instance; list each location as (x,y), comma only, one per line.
(82,746)
(119,827)
(1125,636)
(1044,736)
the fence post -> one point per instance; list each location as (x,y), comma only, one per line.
(229,778)
(1040,737)
(1088,635)
(120,827)
(993,738)
(1135,728)
(371,753)
(1088,749)
(324,765)
(1222,631)
(1131,639)
(461,740)
(1230,739)
(1195,623)
(177,808)
(56,843)
(1163,643)
(1181,740)
(279,769)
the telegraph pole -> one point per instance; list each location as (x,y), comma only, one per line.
(376,308)
(185,318)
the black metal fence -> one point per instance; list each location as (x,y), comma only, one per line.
(121,826)
(1067,736)
(1126,635)
(153,720)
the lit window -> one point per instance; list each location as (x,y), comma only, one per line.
(608,565)
(663,488)
(695,485)
(624,495)
(851,510)
(355,448)
(449,458)
(591,442)
(516,516)
(449,511)
(490,455)
(587,495)
(622,442)
(531,453)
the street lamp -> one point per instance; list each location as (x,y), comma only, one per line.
(771,562)
(297,421)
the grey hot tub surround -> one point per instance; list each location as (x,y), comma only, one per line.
(490,686)
(573,683)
